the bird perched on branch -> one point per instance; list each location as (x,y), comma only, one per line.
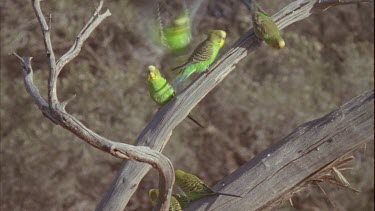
(193,187)
(264,27)
(160,90)
(203,55)
(174,204)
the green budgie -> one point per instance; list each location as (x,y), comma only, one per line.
(193,187)
(160,90)
(177,37)
(264,27)
(174,205)
(182,199)
(203,55)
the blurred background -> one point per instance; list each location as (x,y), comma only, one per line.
(328,59)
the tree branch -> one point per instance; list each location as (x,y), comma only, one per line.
(297,158)
(73,52)
(156,134)
(55,111)
(52,95)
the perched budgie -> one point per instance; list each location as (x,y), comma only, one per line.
(264,27)
(182,199)
(174,205)
(203,55)
(160,90)
(193,187)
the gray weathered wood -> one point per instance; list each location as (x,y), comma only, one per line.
(305,151)
(157,133)
(54,110)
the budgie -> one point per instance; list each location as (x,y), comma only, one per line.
(203,55)
(174,205)
(182,199)
(160,90)
(177,36)
(264,27)
(193,187)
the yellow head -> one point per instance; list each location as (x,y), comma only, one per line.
(153,73)
(281,43)
(218,37)
(181,20)
(181,176)
(154,194)
(179,173)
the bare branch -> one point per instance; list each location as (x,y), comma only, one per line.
(307,155)
(55,111)
(27,72)
(52,95)
(156,134)
(94,22)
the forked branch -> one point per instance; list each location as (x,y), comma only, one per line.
(55,111)
(156,134)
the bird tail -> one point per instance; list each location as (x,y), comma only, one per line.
(247,5)
(179,67)
(253,6)
(195,121)
(228,194)
(177,82)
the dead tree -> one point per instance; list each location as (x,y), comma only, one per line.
(55,111)
(156,134)
(299,159)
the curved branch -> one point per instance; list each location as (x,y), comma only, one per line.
(156,134)
(296,160)
(55,111)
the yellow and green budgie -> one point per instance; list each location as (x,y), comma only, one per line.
(193,187)
(174,204)
(160,90)
(177,36)
(264,27)
(203,55)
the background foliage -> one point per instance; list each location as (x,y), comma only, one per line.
(327,61)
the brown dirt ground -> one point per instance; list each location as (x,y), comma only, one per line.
(327,61)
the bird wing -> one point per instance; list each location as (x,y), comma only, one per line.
(202,53)
(265,25)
